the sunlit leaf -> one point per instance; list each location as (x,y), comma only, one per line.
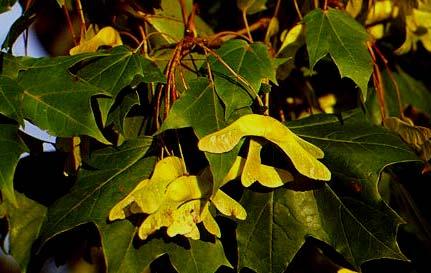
(25,222)
(336,33)
(302,153)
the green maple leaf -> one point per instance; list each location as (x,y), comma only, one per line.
(359,224)
(412,91)
(11,148)
(169,23)
(275,228)
(117,69)
(24,222)
(250,61)
(118,237)
(43,87)
(9,101)
(336,33)
(116,171)
(200,108)
(118,114)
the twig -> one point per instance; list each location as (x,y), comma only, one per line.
(131,36)
(69,24)
(144,42)
(378,83)
(298,11)
(391,76)
(183,11)
(244,18)
(81,18)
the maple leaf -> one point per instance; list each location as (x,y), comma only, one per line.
(336,33)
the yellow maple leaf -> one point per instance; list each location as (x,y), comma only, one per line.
(107,36)
(303,154)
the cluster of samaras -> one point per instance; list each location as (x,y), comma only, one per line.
(178,201)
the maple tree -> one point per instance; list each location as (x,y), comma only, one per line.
(217,136)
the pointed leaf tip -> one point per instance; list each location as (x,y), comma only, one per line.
(336,33)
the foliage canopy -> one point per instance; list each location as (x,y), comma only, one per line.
(204,136)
